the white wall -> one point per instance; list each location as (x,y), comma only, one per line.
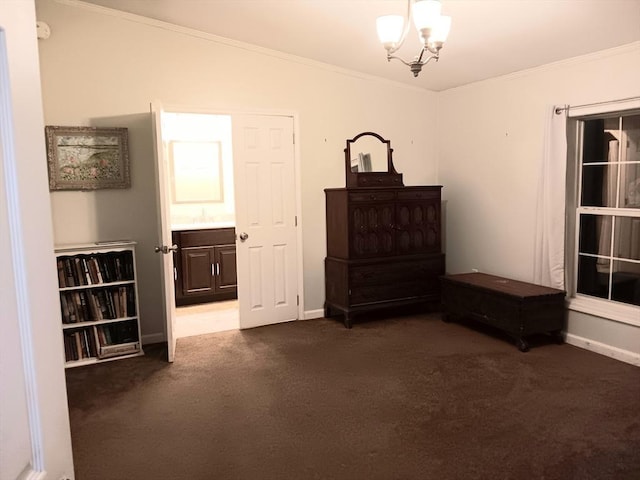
(103,69)
(35,441)
(491,143)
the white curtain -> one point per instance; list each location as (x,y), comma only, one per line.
(550,212)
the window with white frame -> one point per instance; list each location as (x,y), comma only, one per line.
(607,211)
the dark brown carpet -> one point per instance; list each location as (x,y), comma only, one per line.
(404,398)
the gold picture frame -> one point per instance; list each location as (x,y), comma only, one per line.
(87,158)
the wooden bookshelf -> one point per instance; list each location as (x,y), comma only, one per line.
(98,302)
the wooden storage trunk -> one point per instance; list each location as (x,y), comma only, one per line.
(518,308)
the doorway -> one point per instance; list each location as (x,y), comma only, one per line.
(258,201)
(199,155)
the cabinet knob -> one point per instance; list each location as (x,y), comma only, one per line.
(373,197)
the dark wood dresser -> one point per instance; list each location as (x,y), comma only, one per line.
(518,308)
(383,246)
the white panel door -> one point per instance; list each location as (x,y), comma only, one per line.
(165,247)
(266,248)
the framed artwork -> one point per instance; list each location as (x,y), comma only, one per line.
(196,172)
(87,158)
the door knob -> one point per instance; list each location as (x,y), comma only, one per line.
(165,249)
(243,236)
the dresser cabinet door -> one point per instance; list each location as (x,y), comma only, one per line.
(372,229)
(418,222)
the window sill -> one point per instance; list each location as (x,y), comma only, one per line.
(618,312)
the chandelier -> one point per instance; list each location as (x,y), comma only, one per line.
(433,29)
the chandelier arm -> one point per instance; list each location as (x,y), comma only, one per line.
(432,57)
(418,59)
(393,57)
(405,31)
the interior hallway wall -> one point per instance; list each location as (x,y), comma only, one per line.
(102,68)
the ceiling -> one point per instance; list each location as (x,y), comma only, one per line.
(488,37)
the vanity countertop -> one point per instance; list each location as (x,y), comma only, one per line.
(201,226)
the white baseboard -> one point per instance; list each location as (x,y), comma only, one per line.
(604,349)
(311,314)
(153,338)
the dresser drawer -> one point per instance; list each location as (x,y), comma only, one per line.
(381,293)
(424,271)
(419,194)
(374,196)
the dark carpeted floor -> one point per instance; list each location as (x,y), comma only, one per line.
(403,398)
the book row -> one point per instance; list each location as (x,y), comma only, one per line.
(101,341)
(97,304)
(79,270)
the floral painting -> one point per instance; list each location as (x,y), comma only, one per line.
(87,158)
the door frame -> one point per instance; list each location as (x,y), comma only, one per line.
(231,111)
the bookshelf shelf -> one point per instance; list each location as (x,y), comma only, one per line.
(98,302)
(67,326)
(97,285)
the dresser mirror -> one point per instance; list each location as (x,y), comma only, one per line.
(369,162)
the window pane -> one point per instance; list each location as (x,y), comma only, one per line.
(599,184)
(597,135)
(631,130)
(630,185)
(590,281)
(626,242)
(595,234)
(626,282)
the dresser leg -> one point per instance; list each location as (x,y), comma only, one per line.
(347,320)
(522,345)
(558,337)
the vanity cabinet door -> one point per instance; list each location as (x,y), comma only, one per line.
(225,261)
(197,270)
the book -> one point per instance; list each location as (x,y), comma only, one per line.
(85,270)
(101,300)
(108,351)
(61,275)
(68,269)
(79,273)
(86,312)
(73,315)
(96,313)
(93,270)
(78,345)
(64,308)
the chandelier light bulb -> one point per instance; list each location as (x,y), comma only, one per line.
(390,29)
(440,30)
(426,13)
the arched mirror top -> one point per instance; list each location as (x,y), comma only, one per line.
(369,162)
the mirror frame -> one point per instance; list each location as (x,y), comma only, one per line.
(390,178)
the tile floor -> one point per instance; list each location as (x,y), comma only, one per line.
(206,318)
